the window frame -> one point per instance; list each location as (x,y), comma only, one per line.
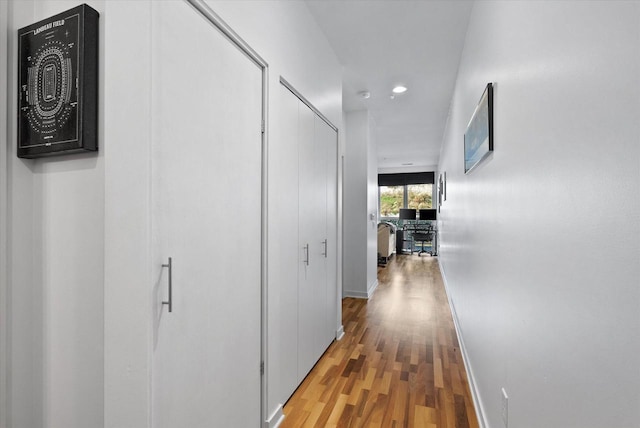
(405,198)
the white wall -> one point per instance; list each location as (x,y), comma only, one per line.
(355,205)
(360,202)
(286,35)
(55,268)
(372,208)
(540,245)
(4,295)
(25,294)
(78,302)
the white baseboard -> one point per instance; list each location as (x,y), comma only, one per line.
(356,294)
(372,289)
(276,418)
(340,333)
(360,294)
(465,358)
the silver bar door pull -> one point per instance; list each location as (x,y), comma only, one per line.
(169,302)
(306,249)
(325,248)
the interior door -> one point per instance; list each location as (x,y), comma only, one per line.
(311,262)
(320,246)
(330,143)
(207,211)
(312,232)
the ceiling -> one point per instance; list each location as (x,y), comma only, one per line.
(383,43)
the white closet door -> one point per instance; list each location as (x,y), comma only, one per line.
(309,311)
(207,217)
(324,138)
(284,252)
(330,141)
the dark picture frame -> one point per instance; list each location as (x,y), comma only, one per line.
(444,186)
(58,84)
(478,138)
(440,191)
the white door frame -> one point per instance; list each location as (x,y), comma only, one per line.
(202,7)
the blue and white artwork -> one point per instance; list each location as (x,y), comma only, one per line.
(478,140)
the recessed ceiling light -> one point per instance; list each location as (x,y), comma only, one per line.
(364,94)
(399,89)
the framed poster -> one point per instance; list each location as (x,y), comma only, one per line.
(440,191)
(58,84)
(444,186)
(478,139)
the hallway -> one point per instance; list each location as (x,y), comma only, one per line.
(398,364)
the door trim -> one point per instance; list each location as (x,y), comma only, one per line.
(208,13)
(306,102)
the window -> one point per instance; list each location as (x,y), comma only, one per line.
(391,200)
(412,190)
(419,196)
(416,196)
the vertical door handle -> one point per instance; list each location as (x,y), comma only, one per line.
(306,249)
(169,267)
(325,248)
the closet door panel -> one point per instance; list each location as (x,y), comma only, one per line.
(330,138)
(322,141)
(206,160)
(317,233)
(312,278)
(309,261)
(284,255)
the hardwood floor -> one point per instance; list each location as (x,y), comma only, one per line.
(398,364)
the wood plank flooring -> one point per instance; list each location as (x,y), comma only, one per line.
(398,364)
